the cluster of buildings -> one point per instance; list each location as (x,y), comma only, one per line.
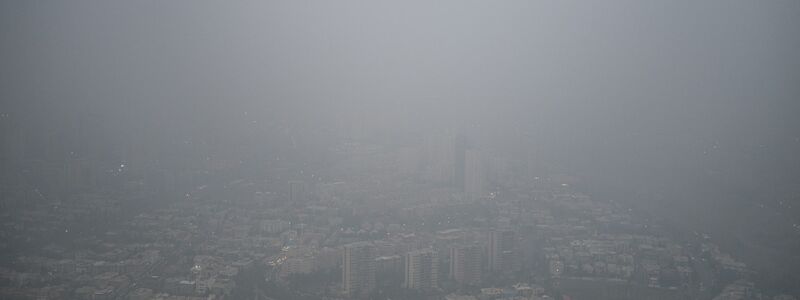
(439,221)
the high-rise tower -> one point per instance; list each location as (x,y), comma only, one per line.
(465,264)
(297,192)
(358,270)
(473,175)
(501,244)
(422,270)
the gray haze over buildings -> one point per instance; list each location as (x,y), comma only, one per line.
(617,88)
(687,109)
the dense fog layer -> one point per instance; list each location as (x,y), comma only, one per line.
(685,109)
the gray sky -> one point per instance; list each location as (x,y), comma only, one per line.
(659,81)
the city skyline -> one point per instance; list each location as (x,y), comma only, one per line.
(456,150)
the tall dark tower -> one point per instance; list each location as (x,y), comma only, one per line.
(459,164)
(297,192)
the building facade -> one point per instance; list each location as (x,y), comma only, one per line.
(358,269)
(421,270)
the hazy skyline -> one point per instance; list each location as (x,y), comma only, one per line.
(696,102)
